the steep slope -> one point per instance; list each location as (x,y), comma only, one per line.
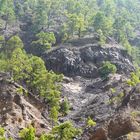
(91,96)
(19,110)
(86,60)
(124,124)
(112,103)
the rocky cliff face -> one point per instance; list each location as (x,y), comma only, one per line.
(116,113)
(18,111)
(86,60)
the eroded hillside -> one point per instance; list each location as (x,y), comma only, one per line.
(112,103)
(19,108)
(69,69)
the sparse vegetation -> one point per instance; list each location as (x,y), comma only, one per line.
(134,79)
(2,135)
(27,133)
(64,107)
(28,28)
(64,131)
(112,90)
(106,69)
(90,122)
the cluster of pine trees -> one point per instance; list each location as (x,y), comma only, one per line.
(109,18)
(40,23)
(31,73)
(118,19)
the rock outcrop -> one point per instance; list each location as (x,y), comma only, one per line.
(85,60)
(124,124)
(18,110)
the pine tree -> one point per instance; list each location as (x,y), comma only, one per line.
(64,107)
(65,131)
(54,115)
(27,133)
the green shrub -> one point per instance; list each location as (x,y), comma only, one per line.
(65,131)
(20,90)
(106,69)
(47,137)
(134,79)
(64,107)
(90,122)
(27,133)
(2,134)
(112,90)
